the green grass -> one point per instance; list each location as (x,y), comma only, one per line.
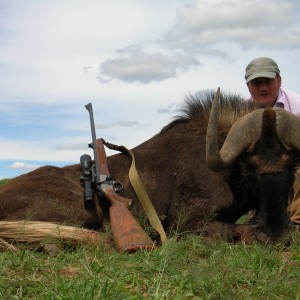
(3,181)
(189,268)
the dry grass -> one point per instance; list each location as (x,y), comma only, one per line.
(44,232)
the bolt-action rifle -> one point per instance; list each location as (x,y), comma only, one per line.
(128,234)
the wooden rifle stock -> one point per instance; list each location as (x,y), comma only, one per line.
(128,234)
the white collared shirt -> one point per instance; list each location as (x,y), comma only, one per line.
(289,101)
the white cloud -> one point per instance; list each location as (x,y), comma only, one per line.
(136,64)
(250,23)
(121,123)
(198,31)
(80,146)
(170,109)
(25,167)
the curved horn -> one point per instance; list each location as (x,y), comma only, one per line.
(243,133)
(288,128)
(213,158)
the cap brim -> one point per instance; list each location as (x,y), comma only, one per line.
(261,74)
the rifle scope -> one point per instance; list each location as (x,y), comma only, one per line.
(86,180)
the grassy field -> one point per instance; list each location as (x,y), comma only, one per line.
(189,268)
(185,267)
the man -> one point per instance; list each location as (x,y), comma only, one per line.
(264,84)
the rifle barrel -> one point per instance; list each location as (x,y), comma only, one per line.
(89,107)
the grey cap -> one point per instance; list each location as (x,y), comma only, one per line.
(261,67)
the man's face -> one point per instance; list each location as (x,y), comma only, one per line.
(264,90)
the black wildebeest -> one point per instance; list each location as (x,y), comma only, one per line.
(254,151)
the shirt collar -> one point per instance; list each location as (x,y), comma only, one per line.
(280,101)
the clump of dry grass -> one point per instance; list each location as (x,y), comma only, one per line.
(38,232)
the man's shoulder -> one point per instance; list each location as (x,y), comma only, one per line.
(291,101)
(290,95)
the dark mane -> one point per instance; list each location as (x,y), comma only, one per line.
(196,108)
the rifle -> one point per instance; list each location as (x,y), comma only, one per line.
(128,234)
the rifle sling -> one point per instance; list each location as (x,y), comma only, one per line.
(141,192)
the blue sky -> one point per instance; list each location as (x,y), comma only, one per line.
(135,60)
